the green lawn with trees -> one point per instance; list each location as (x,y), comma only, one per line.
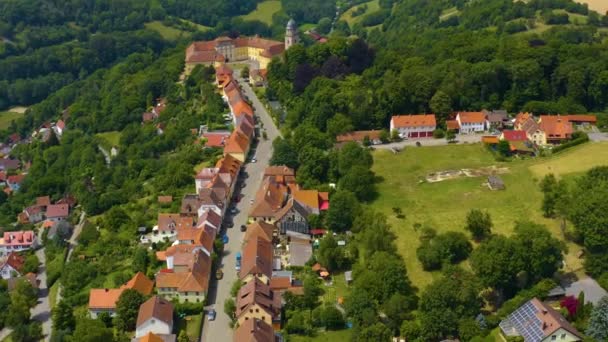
(264,11)
(7,117)
(444,206)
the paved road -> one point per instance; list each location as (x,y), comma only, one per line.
(219,330)
(460,139)
(4,333)
(42,311)
(72,243)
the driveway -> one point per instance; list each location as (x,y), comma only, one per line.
(460,139)
(42,311)
(598,136)
(592,290)
(219,291)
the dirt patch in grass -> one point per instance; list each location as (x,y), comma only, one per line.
(453,174)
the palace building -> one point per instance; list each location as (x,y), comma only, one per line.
(225,49)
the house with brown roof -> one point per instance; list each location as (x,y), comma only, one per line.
(372,136)
(269,200)
(255,299)
(258,77)
(557,129)
(237,146)
(167,224)
(104,300)
(260,229)
(414,126)
(472,122)
(57,212)
(187,277)
(578,119)
(536,321)
(254,330)
(11,266)
(155,316)
(527,123)
(512,136)
(210,218)
(34,213)
(189,206)
(223,75)
(497,119)
(256,260)
(212,199)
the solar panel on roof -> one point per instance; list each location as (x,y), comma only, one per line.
(525,323)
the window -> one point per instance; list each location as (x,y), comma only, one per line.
(250,310)
(257,310)
(553,338)
(563,337)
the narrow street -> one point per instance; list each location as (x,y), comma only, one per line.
(219,291)
(42,311)
(71,244)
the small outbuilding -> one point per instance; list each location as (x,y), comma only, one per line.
(348,276)
(495,183)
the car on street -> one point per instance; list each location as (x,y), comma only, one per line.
(233,211)
(219,274)
(251,201)
(243,227)
(211,315)
(254,160)
(229,224)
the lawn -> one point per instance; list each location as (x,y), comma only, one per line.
(264,11)
(7,117)
(326,336)
(109,139)
(53,294)
(336,290)
(372,6)
(192,324)
(444,205)
(167,32)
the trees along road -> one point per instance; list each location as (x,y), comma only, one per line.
(219,290)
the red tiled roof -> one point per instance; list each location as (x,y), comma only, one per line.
(254,330)
(359,136)
(104,298)
(216,139)
(555,127)
(43,201)
(472,117)
(452,125)
(257,257)
(57,210)
(237,143)
(17,238)
(15,261)
(582,118)
(15,179)
(141,283)
(157,308)
(510,135)
(420,120)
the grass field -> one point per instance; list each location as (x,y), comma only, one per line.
(264,11)
(110,139)
(168,33)
(444,205)
(307,26)
(7,117)
(372,6)
(327,336)
(53,294)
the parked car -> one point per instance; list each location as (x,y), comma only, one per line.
(243,227)
(233,211)
(254,160)
(211,315)
(251,201)
(229,224)
(219,274)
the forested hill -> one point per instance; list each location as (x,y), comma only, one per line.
(439,56)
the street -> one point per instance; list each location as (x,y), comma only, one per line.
(71,244)
(42,311)
(219,290)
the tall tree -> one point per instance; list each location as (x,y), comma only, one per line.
(341,213)
(479,224)
(598,322)
(127,309)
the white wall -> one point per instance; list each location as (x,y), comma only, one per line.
(155,326)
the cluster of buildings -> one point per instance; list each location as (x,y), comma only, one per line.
(523,130)
(255,50)
(279,212)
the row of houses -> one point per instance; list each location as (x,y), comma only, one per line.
(542,130)
(193,230)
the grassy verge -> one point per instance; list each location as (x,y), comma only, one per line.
(167,32)
(7,117)
(372,6)
(444,205)
(192,325)
(326,336)
(264,11)
(53,294)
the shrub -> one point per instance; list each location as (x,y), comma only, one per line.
(375,18)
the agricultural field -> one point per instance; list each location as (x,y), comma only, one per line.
(443,205)
(600,6)
(372,6)
(264,11)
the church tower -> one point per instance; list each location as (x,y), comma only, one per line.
(291,34)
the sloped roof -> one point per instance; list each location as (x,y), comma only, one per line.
(190,204)
(237,143)
(256,292)
(140,283)
(15,261)
(510,135)
(167,222)
(43,201)
(194,280)
(257,257)
(309,198)
(158,308)
(359,136)
(269,199)
(229,164)
(259,229)
(212,217)
(254,330)
(555,126)
(292,204)
(418,120)
(279,170)
(472,117)
(582,118)
(57,210)
(104,298)
(151,337)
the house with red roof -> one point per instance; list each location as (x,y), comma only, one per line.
(34,213)
(11,266)
(414,126)
(17,241)
(511,136)
(57,212)
(59,128)
(215,139)
(557,128)
(472,122)
(104,300)
(14,181)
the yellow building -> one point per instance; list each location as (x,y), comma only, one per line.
(225,49)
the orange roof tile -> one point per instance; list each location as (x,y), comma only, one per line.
(151,337)
(158,308)
(280,283)
(104,298)
(555,127)
(358,136)
(419,120)
(489,139)
(309,198)
(140,283)
(259,229)
(452,125)
(237,143)
(472,117)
